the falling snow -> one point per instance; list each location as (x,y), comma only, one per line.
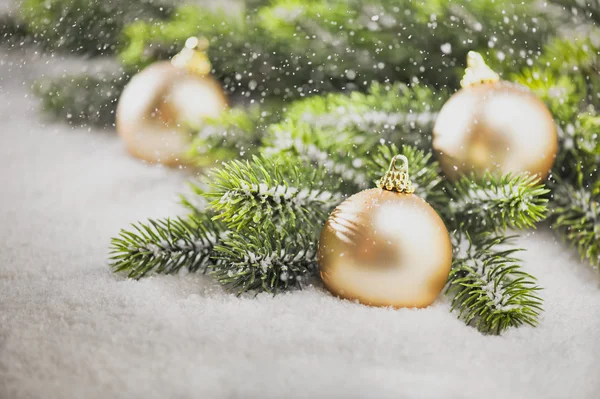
(69,328)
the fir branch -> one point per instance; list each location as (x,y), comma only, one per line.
(571,55)
(495,204)
(576,58)
(86,27)
(564,95)
(576,217)
(259,55)
(586,10)
(344,149)
(265,258)
(292,48)
(396,113)
(83,99)
(271,190)
(244,57)
(578,160)
(12,31)
(488,287)
(236,133)
(341,153)
(355,42)
(166,246)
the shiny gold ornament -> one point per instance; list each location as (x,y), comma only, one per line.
(386,246)
(493,125)
(160,103)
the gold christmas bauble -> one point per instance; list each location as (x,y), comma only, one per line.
(496,126)
(385,248)
(159,104)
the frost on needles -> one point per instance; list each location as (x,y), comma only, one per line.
(487,286)
(259,229)
(258,232)
(279,191)
(167,246)
(270,211)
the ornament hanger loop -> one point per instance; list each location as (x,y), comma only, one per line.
(395,160)
(397,179)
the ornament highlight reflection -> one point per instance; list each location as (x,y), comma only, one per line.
(497,127)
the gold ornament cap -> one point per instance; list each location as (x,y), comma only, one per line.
(397,179)
(477,71)
(193,56)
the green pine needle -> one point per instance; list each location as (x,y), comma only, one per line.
(166,246)
(495,204)
(265,258)
(584,10)
(343,153)
(576,216)
(235,134)
(394,113)
(270,190)
(488,288)
(83,99)
(84,27)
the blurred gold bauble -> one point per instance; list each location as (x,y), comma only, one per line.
(385,248)
(160,103)
(496,126)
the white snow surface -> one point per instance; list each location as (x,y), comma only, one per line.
(69,328)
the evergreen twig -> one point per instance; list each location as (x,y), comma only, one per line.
(166,246)
(266,258)
(12,30)
(488,287)
(588,10)
(340,152)
(270,190)
(236,133)
(81,26)
(576,216)
(333,46)
(495,204)
(83,99)
(397,113)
